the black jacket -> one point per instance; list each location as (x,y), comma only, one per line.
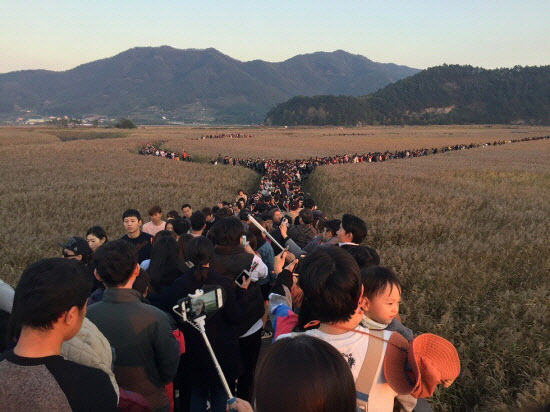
(221,328)
(230,262)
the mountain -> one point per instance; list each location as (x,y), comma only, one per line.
(147,83)
(447,94)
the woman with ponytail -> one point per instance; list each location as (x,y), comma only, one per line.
(197,369)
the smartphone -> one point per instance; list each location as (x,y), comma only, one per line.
(292,265)
(241,277)
(194,307)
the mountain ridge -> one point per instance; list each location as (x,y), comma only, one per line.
(192,85)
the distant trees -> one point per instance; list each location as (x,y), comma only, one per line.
(63,122)
(124,123)
(448,94)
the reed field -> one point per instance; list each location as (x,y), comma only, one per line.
(467,231)
(468,234)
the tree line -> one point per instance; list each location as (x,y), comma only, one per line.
(447,94)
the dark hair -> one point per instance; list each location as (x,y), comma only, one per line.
(268,215)
(169,222)
(172,214)
(200,251)
(331,282)
(46,290)
(243,215)
(375,279)
(303,374)
(215,209)
(365,256)
(227,232)
(98,232)
(164,233)
(115,262)
(154,209)
(181,226)
(306,216)
(131,213)
(224,212)
(294,205)
(142,281)
(166,264)
(332,226)
(252,239)
(183,241)
(308,203)
(356,226)
(185,205)
(256,230)
(262,207)
(207,211)
(198,220)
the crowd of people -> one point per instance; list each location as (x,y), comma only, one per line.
(226,136)
(151,149)
(102,323)
(103,328)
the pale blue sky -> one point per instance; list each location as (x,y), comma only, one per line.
(59,35)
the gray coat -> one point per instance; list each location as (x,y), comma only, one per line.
(147,354)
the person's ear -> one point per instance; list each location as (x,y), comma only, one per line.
(364,303)
(72,315)
(135,273)
(96,275)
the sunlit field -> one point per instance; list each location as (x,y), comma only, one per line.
(467,231)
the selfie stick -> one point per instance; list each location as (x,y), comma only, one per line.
(200,323)
(264,231)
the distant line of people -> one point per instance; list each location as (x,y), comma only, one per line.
(226,136)
(150,149)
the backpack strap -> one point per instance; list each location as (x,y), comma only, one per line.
(368,374)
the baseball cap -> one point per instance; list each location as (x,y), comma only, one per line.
(419,367)
(77,245)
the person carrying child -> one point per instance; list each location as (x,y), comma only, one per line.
(384,365)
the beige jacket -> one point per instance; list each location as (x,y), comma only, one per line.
(90,348)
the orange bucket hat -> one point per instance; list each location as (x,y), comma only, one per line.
(419,367)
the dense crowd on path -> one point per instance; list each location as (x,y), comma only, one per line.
(118,324)
(323,299)
(226,136)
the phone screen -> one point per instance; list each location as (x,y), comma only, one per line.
(204,304)
(207,303)
(242,277)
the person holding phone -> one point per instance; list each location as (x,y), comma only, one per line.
(198,380)
(230,259)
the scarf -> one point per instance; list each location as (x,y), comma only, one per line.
(371,324)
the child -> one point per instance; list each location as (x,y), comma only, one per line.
(381,299)
(331,283)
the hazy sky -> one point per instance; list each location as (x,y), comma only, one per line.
(59,35)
